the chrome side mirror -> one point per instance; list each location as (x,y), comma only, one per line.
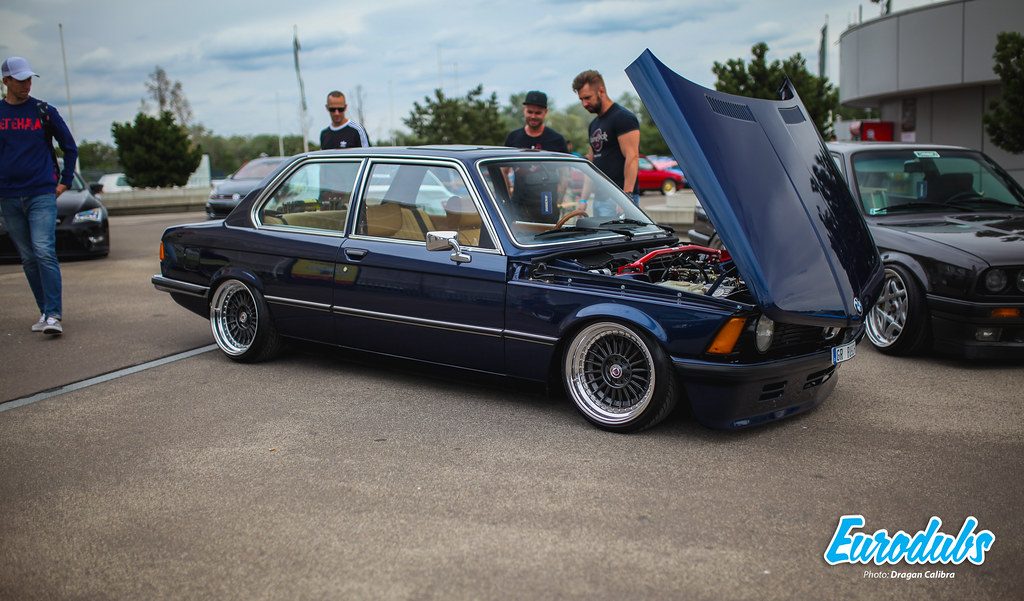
(445,240)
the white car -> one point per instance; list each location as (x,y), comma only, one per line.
(114,182)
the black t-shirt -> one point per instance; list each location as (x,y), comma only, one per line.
(349,135)
(549,139)
(604,141)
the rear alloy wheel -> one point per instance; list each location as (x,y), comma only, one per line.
(897,323)
(241,323)
(618,380)
(669,187)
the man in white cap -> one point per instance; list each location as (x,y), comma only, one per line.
(30,184)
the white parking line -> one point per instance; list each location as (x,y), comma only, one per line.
(39,396)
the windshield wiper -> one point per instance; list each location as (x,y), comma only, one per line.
(985,200)
(569,229)
(627,221)
(917,205)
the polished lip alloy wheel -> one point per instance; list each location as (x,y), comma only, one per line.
(611,373)
(888,316)
(233,317)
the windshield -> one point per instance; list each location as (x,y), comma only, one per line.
(544,201)
(893,181)
(258,168)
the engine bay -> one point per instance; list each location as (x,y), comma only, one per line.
(685,268)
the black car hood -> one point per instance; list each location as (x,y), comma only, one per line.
(996,238)
(74,201)
(236,186)
(768,184)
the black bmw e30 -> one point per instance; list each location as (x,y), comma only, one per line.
(949,223)
(534,265)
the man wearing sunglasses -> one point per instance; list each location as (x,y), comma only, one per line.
(342,132)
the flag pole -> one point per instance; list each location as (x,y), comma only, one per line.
(67,84)
(303,119)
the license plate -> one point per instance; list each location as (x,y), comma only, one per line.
(843,353)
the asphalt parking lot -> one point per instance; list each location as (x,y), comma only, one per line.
(324,475)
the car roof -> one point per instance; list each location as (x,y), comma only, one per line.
(849,147)
(461,152)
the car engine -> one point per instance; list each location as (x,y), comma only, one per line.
(686,268)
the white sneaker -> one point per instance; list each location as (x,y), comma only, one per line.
(53,326)
(39,325)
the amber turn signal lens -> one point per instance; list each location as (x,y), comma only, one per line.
(725,341)
(1006,312)
(161,251)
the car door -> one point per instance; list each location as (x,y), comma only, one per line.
(301,226)
(393,296)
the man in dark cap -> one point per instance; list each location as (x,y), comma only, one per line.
(535,134)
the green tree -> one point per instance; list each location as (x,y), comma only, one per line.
(97,158)
(472,119)
(761,79)
(227,153)
(1004,120)
(155,151)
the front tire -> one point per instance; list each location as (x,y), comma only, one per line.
(669,187)
(241,323)
(898,322)
(619,380)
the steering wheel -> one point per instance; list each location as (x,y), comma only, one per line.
(568,216)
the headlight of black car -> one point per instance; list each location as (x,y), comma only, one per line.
(1020,280)
(90,215)
(947,279)
(995,280)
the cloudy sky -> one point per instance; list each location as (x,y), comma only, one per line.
(234,58)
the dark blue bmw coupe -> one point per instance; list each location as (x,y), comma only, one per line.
(534,265)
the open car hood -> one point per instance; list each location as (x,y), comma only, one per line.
(770,187)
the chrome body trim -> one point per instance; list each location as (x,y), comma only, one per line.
(280,300)
(418,321)
(527,337)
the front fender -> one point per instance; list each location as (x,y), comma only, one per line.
(614,312)
(911,263)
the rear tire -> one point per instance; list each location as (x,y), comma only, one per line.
(241,323)
(619,379)
(898,323)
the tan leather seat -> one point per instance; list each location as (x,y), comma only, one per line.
(461,215)
(394,220)
(324,220)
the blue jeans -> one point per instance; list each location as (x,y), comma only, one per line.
(32,224)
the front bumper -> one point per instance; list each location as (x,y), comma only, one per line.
(88,239)
(955,324)
(731,396)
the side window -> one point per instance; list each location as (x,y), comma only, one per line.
(404,202)
(645,164)
(316,196)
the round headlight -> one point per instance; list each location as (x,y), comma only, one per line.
(1020,280)
(765,332)
(995,280)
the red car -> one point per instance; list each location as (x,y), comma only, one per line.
(653,178)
